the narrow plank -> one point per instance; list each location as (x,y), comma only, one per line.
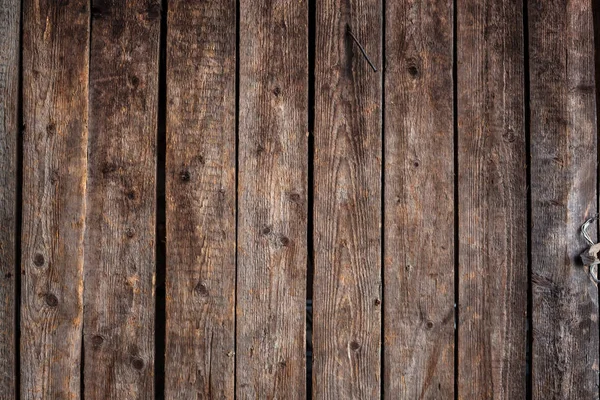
(492,201)
(121,204)
(200,199)
(419,201)
(347,201)
(563,192)
(272,201)
(10,14)
(55,114)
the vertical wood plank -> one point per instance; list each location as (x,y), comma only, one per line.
(492,201)
(272,201)
(120,236)
(200,198)
(419,203)
(10,14)
(55,113)
(563,192)
(347,201)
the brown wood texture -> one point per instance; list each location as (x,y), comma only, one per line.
(347,201)
(55,113)
(492,201)
(201,200)
(563,192)
(120,236)
(419,202)
(10,15)
(272,199)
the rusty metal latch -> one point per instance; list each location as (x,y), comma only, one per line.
(590,257)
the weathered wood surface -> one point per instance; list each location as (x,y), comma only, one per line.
(55,114)
(563,193)
(419,203)
(347,201)
(492,201)
(237,247)
(272,199)
(201,199)
(10,15)
(120,237)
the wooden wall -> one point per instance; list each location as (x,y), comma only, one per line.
(293,199)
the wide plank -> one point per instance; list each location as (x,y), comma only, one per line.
(563,195)
(121,201)
(492,201)
(10,16)
(272,199)
(347,201)
(55,114)
(200,200)
(419,203)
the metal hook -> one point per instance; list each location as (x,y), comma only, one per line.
(593,272)
(593,262)
(584,227)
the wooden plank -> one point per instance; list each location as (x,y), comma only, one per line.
(563,191)
(55,113)
(272,201)
(121,205)
(419,202)
(492,201)
(200,199)
(347,201)
(10,15)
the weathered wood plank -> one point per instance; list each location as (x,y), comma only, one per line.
(55,113)
(10,14)
(492,201)
(272,188)
(120,236)
(347,201)
(563,193)
(419,203)
(200,197)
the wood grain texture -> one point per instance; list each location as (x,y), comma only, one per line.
(563,191)
(272,199)
(347,201)
(10,15)
(419,202)
(492,201)
(120,236)
(55,113)
(200,197)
